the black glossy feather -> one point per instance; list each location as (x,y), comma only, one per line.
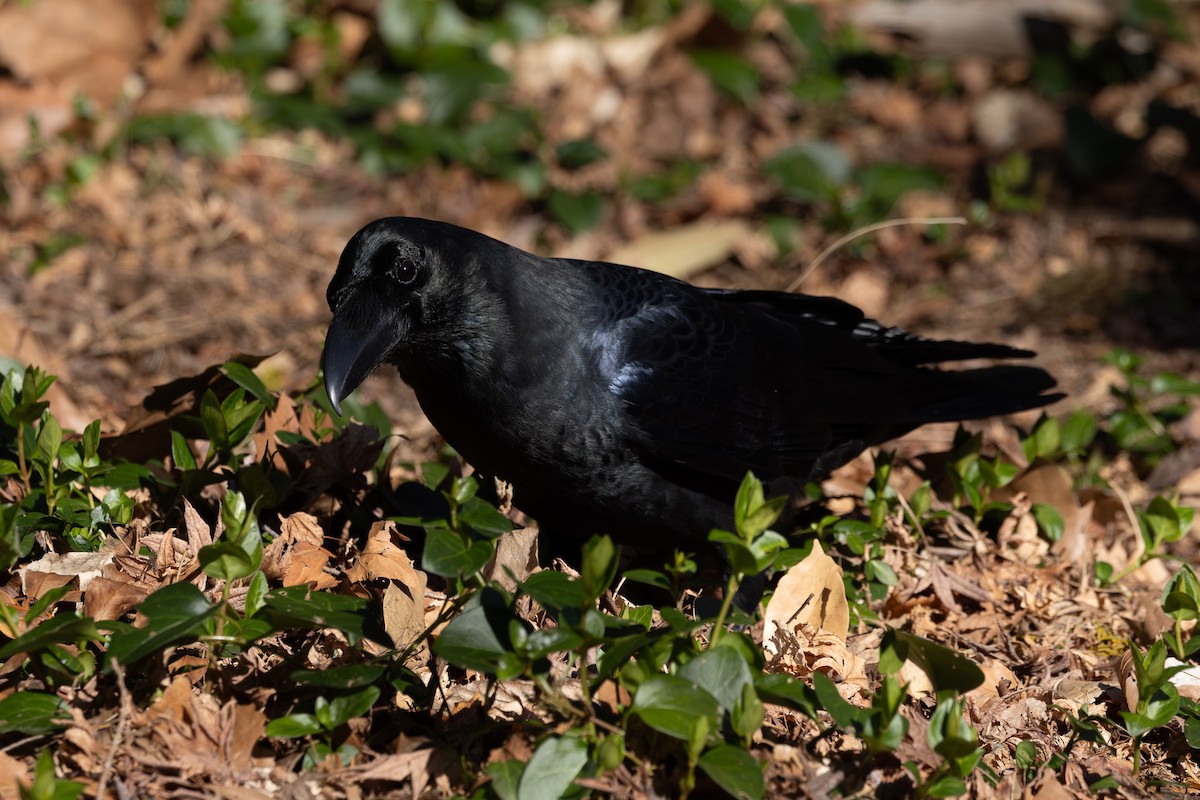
(623,401)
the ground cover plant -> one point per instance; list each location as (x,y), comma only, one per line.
(212,585)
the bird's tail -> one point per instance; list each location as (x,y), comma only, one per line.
(984,392)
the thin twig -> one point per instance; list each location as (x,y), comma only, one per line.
(123,713)
(877,226)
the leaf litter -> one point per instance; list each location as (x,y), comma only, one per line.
(233,256)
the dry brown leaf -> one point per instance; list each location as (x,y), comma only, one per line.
(404,611)
(399,768)
(684,251)
(516,558)
(199,534)
(812,593)
(84,566)
(191,730)
(946,584)
(1050,789)
(107,598)
(13,776)
(383,558)
(296,557)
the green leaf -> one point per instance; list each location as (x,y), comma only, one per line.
(67,628)
(175,613)
(735,771)
(949,734)
(730,73)
(813,171)
(181,454)
(1181,595)
(229,561)
(91,441)
(483,519)
(649,577)
(348,676)
(599,566)
(674,706)
(347,707)
(722,673)
(577,213)
(506,777)
(478,638)
(1043,440)
(579,153)
(49,439)
(1078,432)
(552,768)
(301,607)
(243,376)
(742,560)
(1049,521)
(450,555)
(212,419)
(33,713)
(789,692)
(555,590)
(946,669)
(293,726)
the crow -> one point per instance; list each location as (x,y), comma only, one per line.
(622,401)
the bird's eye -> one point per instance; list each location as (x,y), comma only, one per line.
(405,271)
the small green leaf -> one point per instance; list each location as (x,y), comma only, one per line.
(33,713)
(506,777)
(674,706)
(576,212)
(730,73)
(347,707)
(293,726)
(599,566)
(478,637)
(175,613)
(213,421)
(722,673)
(555,590)
(448,554)
(1049,521)
(946,669)
(49,439)
(243,376)
(579,153)
(735,771)
(552,767)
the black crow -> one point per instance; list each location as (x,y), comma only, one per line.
(622,401)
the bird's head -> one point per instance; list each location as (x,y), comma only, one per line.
(397,289)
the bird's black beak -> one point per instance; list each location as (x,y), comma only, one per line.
(362,333)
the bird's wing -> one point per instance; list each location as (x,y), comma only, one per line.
(720,387)
(717,383)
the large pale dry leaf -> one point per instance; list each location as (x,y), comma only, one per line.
(956,28)
(812,593)
(684,251)
(13,776)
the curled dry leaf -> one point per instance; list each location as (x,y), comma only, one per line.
(296,556)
